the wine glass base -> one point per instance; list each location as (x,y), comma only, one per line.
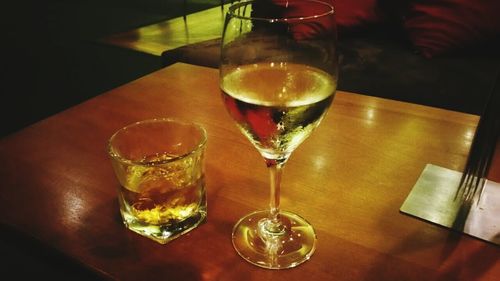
(274,250)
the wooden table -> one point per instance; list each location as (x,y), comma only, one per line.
(167,35)
(348,179)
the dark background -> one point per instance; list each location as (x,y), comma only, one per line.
(51,55)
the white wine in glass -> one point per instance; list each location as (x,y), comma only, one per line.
(278,77)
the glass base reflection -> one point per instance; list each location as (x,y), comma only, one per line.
(258,242)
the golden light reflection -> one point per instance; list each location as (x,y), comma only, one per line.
(370,114)
(73,206)
(469,134)
(320,162)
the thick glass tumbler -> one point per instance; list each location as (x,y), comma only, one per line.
(159,165)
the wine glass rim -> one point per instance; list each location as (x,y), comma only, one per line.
(233,7)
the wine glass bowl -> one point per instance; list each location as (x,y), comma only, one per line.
(278,77)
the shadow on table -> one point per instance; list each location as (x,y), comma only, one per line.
(25,258)
(457,260)
(118,246)
(476,261)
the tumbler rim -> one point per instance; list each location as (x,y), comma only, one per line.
(201,144)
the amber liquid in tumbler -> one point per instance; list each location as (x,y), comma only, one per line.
(162,198)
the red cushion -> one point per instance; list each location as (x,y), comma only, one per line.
(350,15)
(355,14)
(438,26)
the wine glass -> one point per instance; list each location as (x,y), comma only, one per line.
(278,77)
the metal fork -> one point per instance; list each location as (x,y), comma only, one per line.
(482,148)
(480,155)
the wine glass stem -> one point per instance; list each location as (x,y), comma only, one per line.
(275,170)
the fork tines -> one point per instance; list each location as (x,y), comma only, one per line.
(482,148)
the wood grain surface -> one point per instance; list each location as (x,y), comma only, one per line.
(348,179)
